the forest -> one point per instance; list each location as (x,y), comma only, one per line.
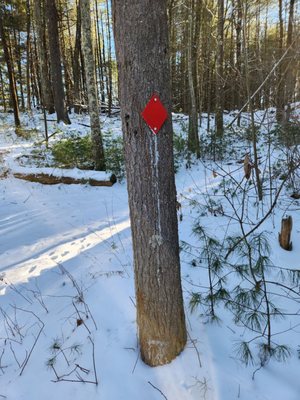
(150,197)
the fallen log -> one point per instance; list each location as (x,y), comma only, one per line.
(48,179)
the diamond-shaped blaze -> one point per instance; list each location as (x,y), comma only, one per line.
(155,114)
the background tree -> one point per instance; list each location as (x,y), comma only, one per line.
(219,70)
(9,64)
(143,65)
(45,84)
(89,62)
(55,62)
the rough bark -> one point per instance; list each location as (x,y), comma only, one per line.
(90,76)
(55,62)
(141,37)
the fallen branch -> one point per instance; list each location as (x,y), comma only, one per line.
(47,179)
(156,388)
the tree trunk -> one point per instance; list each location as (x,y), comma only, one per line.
(28,54)
(15,51)
(219,70)
(141,37)
(90,74)
(100,62)
(77,95)
(66,54)
(280,80)
(290,82)
(46,90)
(55,62)
(109,61)
(193,136)
(2,90)
(11,77)
(239,15)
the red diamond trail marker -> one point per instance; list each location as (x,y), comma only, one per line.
(155,114)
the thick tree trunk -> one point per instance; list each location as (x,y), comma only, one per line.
(55,62)
(141,37)
(90,75)
(46,90)
(11,77)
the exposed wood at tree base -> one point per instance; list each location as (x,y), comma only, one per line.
(285,234)
(47,179)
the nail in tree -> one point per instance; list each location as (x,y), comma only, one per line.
(141,37)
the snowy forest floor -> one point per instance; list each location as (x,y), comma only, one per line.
(67,302)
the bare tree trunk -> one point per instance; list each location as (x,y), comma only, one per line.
(280,80)
(15,51)
(142,53)
(239,56)
(46,90)
(77,94)
(2,90)
(55,62)
(290,82)
(219,70)
(11,77)
(28,54)
(90,74)
(109,61)
(251,108)
(100,62)
(193,135)
(66,59)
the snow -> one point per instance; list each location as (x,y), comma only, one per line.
(66,271)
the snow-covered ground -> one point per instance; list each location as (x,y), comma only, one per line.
(67,302)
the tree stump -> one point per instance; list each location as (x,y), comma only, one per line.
(247,167)
(285,234)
